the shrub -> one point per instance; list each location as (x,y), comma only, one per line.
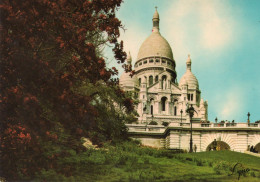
(210,163)
(199,162)
(223,166)
(165,123)
(188,159)
(146,160)
(252,173)
(133,160)
(153,123)
(122,158)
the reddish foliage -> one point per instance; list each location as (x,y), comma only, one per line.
(47,48)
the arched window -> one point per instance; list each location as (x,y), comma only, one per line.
(156,78)
(163,102)
(175,110)
(150,80)
(139,81)
(151,106)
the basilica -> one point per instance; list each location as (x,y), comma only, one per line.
(163,102)
(162,98)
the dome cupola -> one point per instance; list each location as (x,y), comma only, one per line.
(155,54)
(189,78)
(155,44)
(126,80)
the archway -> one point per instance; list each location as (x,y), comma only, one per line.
(150,80)
(257,147)
(163,103)
(219,145)
(151,106)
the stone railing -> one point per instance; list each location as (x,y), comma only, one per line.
(161,128)
(216,125)
(145,128)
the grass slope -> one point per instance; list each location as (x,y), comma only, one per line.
(128,162)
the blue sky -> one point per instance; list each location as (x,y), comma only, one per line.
(223,38)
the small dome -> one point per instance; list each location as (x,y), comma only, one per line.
(155,45)
(127,80)
(190,79)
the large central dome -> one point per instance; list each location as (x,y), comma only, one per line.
(155,45)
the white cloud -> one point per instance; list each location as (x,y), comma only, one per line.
(197,26)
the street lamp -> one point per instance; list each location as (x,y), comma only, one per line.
(216,120)
(181,116)
(248,120)
(191,111)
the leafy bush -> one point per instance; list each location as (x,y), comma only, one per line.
(153,123)
(165,123)
(199,162)
(210,163)
(188,159)
(146,160)
(222,167)
(252,173)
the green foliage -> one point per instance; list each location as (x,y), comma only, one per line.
(165,123)
(153,123)
(199,162)
(222,167)
(56,87)
(128,161)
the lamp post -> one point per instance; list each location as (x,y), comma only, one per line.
(248,120)
(191,111)
(181,116)
(216,120)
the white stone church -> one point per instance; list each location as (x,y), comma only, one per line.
(162,99)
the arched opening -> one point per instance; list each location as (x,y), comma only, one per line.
(163,102)
(156,78)
(150,80)
(257,148)
(175,110)
(218,145)
(139,81)
(151,106)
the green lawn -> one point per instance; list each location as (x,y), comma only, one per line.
(128,162)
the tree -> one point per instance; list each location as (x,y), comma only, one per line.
(50,50)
